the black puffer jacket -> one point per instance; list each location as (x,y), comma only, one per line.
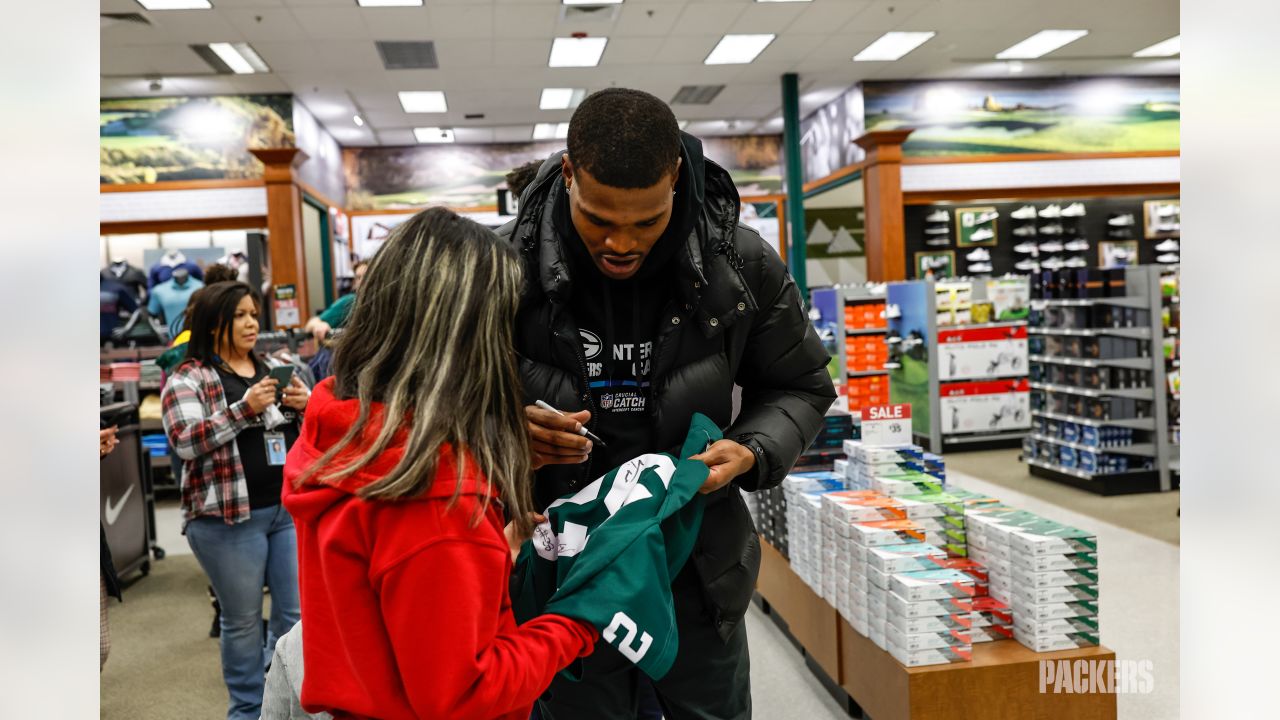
(735,317)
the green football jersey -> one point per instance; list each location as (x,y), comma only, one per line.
(608,553)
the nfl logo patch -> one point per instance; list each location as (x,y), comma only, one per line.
(606,401)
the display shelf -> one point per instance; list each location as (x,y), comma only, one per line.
(1141,481)
(983,378)
(863,300)
(1137,393)
(1135,423)
(1138,363)
(983,326)
(852,332)
(1123,301)
(970,438)
(1141,333)
(864,373)
(1141,449)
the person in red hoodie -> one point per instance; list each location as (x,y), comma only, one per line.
(411,461)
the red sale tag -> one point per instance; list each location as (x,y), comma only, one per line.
(886,425)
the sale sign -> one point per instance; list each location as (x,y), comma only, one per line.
(884,425)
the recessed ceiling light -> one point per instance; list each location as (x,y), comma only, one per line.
(548,131)
(738,49)
(560,98)
(423,101)
(239,57)
(577,51)
(433,135)
(175,4)
(359,121)
(893,45)
(1042,43)
(389,3)
(1168,48)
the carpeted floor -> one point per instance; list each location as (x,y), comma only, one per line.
(163,664)
(1152,514)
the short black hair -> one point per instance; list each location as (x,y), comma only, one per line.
(519,178)
(624,138)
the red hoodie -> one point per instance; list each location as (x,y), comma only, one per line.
(405,606)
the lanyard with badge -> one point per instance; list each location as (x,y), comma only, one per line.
(273,441)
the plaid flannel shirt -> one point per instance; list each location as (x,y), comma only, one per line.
(202,429)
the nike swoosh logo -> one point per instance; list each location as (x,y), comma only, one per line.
(113,511)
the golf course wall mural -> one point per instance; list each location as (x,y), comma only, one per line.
(150,140)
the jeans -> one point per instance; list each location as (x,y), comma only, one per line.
(239,559)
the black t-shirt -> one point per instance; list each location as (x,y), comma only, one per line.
(265,480)
(617,324)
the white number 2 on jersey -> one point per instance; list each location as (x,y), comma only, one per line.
(620,619)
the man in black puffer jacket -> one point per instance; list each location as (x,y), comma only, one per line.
(647,301)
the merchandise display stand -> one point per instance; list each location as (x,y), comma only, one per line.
(863,352)
(1098,392)
(1002,681)
(966,381)
(1171,295)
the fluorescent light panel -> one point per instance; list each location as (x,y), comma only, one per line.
(239,57)
(433,135)
(560,98)
(549,131)
(175,4)
(893,45)
(738,49)
(389,3)
(1042,43)
(423,101)
(576,52)
(1168,48)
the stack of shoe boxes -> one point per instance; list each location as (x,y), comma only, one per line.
(828,446)
(804,529)
(896,470)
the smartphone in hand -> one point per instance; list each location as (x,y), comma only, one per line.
(283,375)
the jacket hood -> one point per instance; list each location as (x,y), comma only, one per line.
(326,422)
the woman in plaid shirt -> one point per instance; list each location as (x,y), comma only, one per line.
(226,422)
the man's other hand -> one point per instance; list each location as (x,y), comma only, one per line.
(727,460)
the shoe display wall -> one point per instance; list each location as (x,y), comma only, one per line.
(1022,236)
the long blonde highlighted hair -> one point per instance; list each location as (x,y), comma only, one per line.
(431,337)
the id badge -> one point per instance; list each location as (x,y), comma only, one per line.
(276,450)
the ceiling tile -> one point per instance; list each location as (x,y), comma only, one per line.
(824,16)
(630,51)
(526,53)
(883,16)
(196,26)
(464,53)
(526,21)
(397,23)
(397,136)
(350,55)
(708,18)
(473,20)
(126,61)
(647,19)
(767,17)
(265,24)
(285,57)
(339,23)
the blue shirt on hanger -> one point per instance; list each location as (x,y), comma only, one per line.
(170,299)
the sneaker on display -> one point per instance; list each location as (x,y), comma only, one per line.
(1030,265)
(1169,245)
(937,230)
(1121,254)
(1120,234)
(1051,230)
(1077,245)
(1025,230)
(1026,248)
(1073,210)
(977,255)
(982,234)
(1167,210)
(1076,262)
(938,241)
(1026,212)
(937,216)
(980,268)
(1168,259)
(1052,211)
(986,217)
(1053,263)
(1168,227)
(1121,220)
(1051,247)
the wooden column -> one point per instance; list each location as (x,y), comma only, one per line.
(882,183)
(284,222)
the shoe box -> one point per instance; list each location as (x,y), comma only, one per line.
(1103,408)
(1093,378)
(1078,283)
(933,656)
(867,391)
(864,353)
(864,315)
(932,585)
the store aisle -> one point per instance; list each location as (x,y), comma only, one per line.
(1138,608)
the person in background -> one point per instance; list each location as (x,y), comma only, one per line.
(412,457)
(221,411)
(335,316)
(108,583)
(519,178)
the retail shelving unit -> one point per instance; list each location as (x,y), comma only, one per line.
(1171,296)
(1098,389)
(862,351)
(966,380)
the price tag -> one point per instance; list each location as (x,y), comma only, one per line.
(886,425)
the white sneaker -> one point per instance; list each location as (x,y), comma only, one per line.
(938,241)
(1025,230)
(1121,220)
(1167,210)
(1073,210)
(1053,263)
(978,255)
(937,216)
(1051,230)
(980,268)
(1029,265)
(1076,262)
(1077,245)
(937,230)
(986,217)
(1168,227)
(1168,246)
(982,234)
(1168,259)
(1026,248)
(1026,212)
(1051,247)
(1052,211)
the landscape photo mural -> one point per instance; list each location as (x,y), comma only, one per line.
(149,140)
(961,117)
